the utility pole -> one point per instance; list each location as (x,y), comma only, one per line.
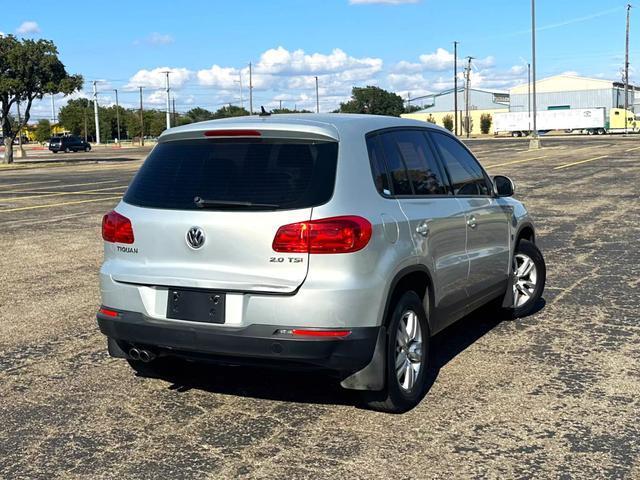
(175,119)
(117,117)
(626,75)
(280,104)
(250,89)
(455,85)
(317,97)
(529,92)
(85,123)
(467,120)
(141,120)
(168,100)
(534,144)
(95,110)
(53,110)
(240,80)
(409,101)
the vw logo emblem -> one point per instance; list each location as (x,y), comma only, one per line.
(195,237)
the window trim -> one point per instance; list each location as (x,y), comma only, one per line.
(486,176)
(375,134)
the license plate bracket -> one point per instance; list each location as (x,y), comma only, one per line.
(196,305)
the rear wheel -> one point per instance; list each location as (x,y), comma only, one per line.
(407,358)
(529,277)
(87,148)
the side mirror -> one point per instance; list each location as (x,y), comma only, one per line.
(503,186)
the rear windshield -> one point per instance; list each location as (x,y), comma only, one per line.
(238,174)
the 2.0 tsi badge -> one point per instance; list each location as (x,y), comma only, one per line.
(195,237)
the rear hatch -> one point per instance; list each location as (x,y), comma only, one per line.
(236,193)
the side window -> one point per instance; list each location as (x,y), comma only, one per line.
(395,165)
(376,156)
(422,168)
(467,177)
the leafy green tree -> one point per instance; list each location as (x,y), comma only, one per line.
(412,108)
(29,70)
(288,110)
(485,122)
(230,111)
(198,114)
(373,100)
(75,114)
(447,122)
(156,124)
(43,130)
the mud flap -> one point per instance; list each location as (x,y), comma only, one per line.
(371,377)
(507,301)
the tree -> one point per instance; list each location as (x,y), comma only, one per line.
(43,130)
(199,115)
(288,110)
(75,114)
(373,100)
(230,111)
(431,119)
(29,70)
(412,108)
(447,122)
(485,122)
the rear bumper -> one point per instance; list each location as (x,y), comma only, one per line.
(261,344)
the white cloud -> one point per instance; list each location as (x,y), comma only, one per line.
(156,78)
(28,27)
(156,39)
(278,61)
(160,38)
(219,77)
(381,2)
(438,61)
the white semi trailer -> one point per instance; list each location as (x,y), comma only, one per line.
(585,120)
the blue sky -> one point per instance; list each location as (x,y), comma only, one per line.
(401,45)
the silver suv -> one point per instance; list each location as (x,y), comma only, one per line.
(340,242)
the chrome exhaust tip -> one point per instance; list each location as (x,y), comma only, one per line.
(134,354)
(146,356)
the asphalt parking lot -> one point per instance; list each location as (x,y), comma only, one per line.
(554,395)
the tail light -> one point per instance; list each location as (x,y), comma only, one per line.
(330,235)
(116,228)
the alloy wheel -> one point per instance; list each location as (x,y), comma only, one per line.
(525,276)
(408,350)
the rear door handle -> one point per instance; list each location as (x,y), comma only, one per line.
(471,222)
(423,229)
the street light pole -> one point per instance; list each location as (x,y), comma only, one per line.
(117,117)
(626,75)
(455,86)
(317,97)
(141,120)
(534,144)
(168,100)
(95,111)
(529,92)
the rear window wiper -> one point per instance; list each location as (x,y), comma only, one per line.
(206,203)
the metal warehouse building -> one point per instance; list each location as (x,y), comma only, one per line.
(439,105)
(569,91)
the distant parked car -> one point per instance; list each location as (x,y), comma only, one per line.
(68,144)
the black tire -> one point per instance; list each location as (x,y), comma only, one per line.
(393,398)
(531,251)
(87,149)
